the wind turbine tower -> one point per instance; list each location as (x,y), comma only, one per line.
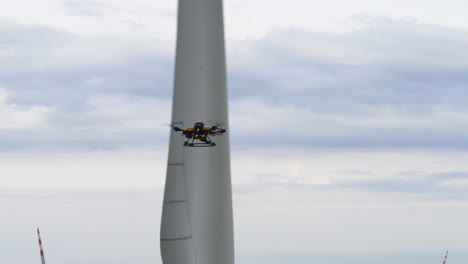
(445,258)
(40,246)
(197,218)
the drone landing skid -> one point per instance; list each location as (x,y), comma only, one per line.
(211,144)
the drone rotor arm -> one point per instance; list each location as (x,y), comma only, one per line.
(218,131)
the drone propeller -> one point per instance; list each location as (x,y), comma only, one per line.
(223,125)
(167,124)
(175,124)
(219,124)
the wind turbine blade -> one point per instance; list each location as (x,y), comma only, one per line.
(197,224)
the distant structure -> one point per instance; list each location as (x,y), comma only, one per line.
(40,246)
(197,218)
(445,259)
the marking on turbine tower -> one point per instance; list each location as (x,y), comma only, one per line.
(176,239)
(181,201)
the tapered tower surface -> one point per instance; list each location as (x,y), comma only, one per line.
(197,221)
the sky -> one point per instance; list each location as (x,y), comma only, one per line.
(348,129)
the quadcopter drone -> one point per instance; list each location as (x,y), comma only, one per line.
(201,133)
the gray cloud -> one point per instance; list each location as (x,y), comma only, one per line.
(49,68)
(400,64)
(388,83)
(47,65)
(410,76)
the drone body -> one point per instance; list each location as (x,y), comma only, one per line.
(201,133)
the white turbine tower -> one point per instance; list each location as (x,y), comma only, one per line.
(197,221)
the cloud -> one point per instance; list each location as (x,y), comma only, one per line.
(130,113)
(260,123)
(83,221)
(82,79)
(60,62)
(447,185)
(384,62)
(17,118)
(396,175)
(390,85)
(82,8)
(129,169)
(387,83)
(324,126)
(102,122)
(118,118)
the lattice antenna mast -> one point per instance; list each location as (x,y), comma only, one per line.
(40,246)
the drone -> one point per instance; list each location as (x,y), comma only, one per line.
(201,133)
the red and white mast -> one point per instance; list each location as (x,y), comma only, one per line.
(445,259)
(40,246)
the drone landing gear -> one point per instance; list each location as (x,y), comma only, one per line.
(206,142)
(186,144)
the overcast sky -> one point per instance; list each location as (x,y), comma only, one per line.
(349,129)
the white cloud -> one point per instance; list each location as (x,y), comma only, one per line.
(332,166)
(124,169)
(126,113)
(51,50)
(287,193)
(289,122)
(19,118)
(455,183)
(310,82)
(252,169)
(244,19)
(97,18)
